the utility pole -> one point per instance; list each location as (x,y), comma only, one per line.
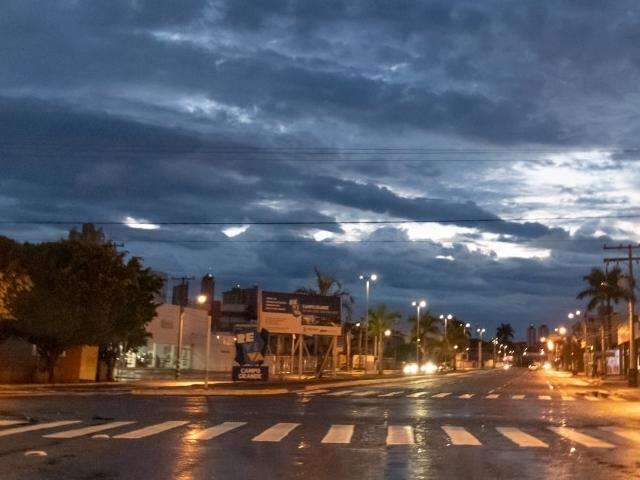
(633,360)
(480,331)
(182,299)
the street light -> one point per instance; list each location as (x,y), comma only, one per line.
(387,333)
(202,299)
(481,333)
(562,330)
(418,304)
(367,279)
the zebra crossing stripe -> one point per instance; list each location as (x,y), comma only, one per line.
(339,393)
(400,435)
(466,395)
(391,394)
(544,397)
(216,431)
(36,426)
(417,394)
(7,423)
(366,393)
(492,396)
(152,429)
(339,434)
(517,397)
(78,432)
(275,433)
(521,438)
(591,398)
(568,398)
(441,395)
(580,438)
(460,436)
(627,433)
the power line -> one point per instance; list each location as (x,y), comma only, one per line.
(320,222)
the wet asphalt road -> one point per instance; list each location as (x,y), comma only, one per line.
(492,424)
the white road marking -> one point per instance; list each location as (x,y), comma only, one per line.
(391,394)
(366,393)
(581,438)
(275,433)
(152,429)
(615,398)
(400,435)
(460,436)
(36,426)
(627,433)
(78,432)
(568,398)
(521,438)
(492,396)
(417,394)
(544,397)
(591,398)
(313,392)
(441,395)
(339,393)
(216,431)
(466,395)
(339,434)
(517,397)
(35,453)
(6,423)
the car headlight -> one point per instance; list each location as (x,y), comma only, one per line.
(547,366)
(410,369)
(429,367)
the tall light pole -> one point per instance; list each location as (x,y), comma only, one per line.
(418,304)
(368,279)
(202,299)
(481,333)
(574,365)
(445,319)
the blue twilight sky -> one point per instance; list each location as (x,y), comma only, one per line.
(333,111)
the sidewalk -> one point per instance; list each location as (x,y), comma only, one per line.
(610,386)
(218,385)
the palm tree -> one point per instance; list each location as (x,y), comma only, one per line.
(604,289)
(380,320)
(429,328)
(328,286)
(505,333)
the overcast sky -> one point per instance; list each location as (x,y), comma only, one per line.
(508,121)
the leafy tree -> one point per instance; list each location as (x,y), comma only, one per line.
(68,302)
(429,330)
(82,292)
(134,307)
(604,288)
(505,333)
(13,279)
(381,319)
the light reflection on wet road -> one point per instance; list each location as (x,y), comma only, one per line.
(459,435)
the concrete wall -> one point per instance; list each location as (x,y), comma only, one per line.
(19,364)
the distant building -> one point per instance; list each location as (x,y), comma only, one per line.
(543,331)
(239,307)
(532,336)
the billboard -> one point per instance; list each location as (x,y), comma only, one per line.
(282,312)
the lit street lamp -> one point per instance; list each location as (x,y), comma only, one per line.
(481,333)
(418,304)
(367,282)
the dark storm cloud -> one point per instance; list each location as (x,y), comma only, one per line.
(122,108)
